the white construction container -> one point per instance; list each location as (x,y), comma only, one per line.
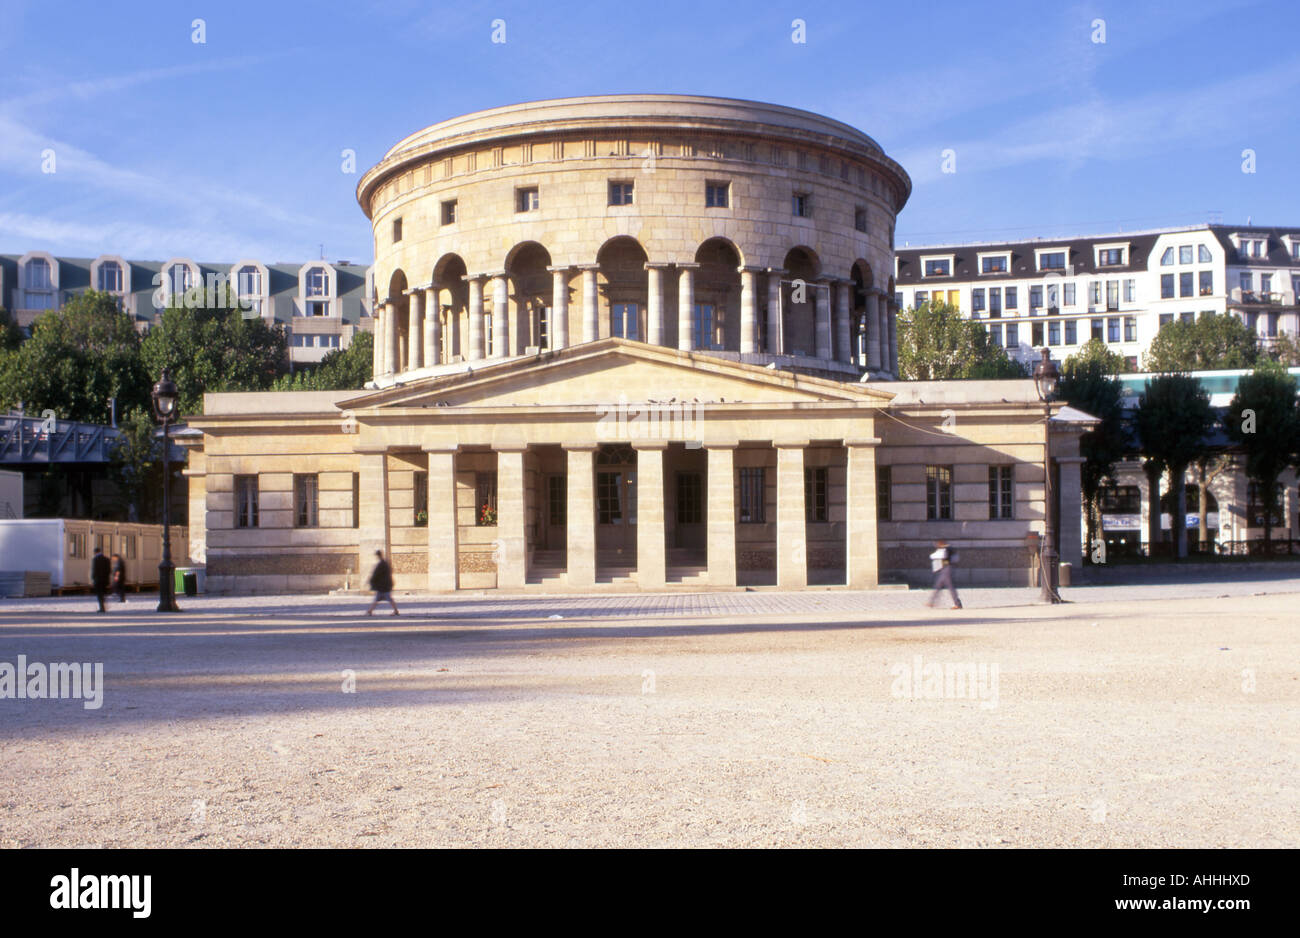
(64,547)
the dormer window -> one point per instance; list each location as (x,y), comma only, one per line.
(936,266)
(318,282)
(248,288)
(995,263)
(1110,257)
(109,279)
(38,284)
(180,279)
(1051,260)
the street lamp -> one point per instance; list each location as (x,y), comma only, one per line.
(1046,379)
(165,397)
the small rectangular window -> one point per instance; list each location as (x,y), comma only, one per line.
(1052,260)
(752,491)
(305,500)
(1054,332)
(526,200)
(814,494)
(995,335)
(1001,501)
(1012,297)
(397,230)
(938,493)
(1035,298)
(1130,328)
(246,501)
(1185,254)
(1206,283)
(1036,335)
(884,493)
(1166,286)
(1166,319)
(1130,291)
(938,267)
(1099,330)
(620,193)
(1203,254)
(449,212)
(1185,284)
(1110,257)
(977,300)
(1071,332)
(485,499)
(802,205)
(717,194)
(1069,294)
(860,219)
(993,265)
(1112,329)
(1013,336)
(420,498)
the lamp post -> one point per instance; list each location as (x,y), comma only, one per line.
(1046,379)
(165,397)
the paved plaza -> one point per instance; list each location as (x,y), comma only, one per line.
(1159,715)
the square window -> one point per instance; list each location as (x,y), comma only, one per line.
(449,212)
(717,195)
(1166,319)
(922,296)
(751,495)
(938,493)
(620,193)
(526,200)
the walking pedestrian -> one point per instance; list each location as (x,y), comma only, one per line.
(381,581)
(119,577)
(941,563)
(100,571)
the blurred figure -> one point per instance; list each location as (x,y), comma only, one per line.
(100,571)
(381,581)
(941,563)
(118,578)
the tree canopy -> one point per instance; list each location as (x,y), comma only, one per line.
(1172,418)
(1089,382)
(340,370)
(1213,341)
(936,342)
(1263,420)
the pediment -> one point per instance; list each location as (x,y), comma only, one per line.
(612,370)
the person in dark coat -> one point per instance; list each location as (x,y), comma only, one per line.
(100,572)
(119,577)
(381,581)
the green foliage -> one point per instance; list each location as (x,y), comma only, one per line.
(1263,420)
(212,347)
(11,334)
(77,358)
(136,465)
(935,342)
(1172,418)
(1089,383)
(340,370)
(1211,342)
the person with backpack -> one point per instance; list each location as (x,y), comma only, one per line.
(381,581)
(941,563)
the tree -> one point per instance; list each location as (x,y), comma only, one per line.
(1089,383)
(11,334)
(210,346)
(1262,419)
(1172,418)
(340,370)
(136,466)
(1213,341)
(936,342)
(77,360)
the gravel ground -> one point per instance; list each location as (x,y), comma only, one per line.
(738,719)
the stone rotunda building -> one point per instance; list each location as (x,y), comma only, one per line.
(637,340)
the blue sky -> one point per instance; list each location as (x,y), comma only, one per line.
(232,148)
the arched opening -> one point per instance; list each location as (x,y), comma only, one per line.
(799,297)
(396,331)
(624,283)
(530,284)
(716,317)
(860,328)
(452,299)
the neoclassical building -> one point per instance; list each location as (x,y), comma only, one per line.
(630,340)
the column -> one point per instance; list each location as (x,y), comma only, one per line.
(655,304)
(372,523)
(748,311)
(392,351)
(415,329)
(651,541)
(559,325)
(843,327)
(580,527)
(686,306)
(721,507)
(861,559)
(892,315)
(791,539)
(821,303)
(512,563)
(443,532)
(377,345)
(432,327)
(476,349)
(500,316)
(873,332)
(590,303)
(1069,520)
(775,321)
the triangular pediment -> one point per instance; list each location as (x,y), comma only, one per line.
(611,370)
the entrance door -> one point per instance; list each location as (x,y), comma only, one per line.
(555,513)
(616,500)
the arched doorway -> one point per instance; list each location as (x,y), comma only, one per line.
(625,286)
(799,300)
(860,328)
(453,305)
(530,283)
(399,307)
(716,317)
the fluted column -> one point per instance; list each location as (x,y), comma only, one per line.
(791,535)
(822,318)
(775,320)
(748,310)
(432,327)
(414,329)
(392,348)
(721,508)
(861,562)
(500,316)
(655,303)
(590,302)
(650,536)
(559,325)
(476,350)
(686,306)
(873,332)
(443,532)
(843,327)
